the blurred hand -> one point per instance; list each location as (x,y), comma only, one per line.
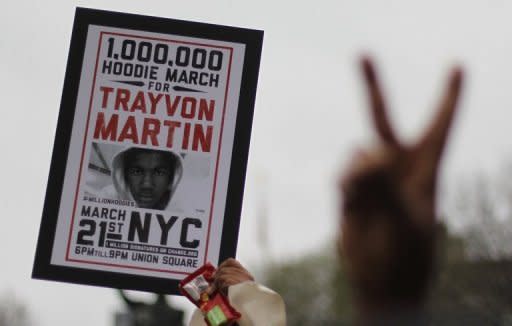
(388,213)
(230,272)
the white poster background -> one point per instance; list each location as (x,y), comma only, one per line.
(200,198)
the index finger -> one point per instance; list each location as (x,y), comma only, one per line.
(434,139)
(378,107)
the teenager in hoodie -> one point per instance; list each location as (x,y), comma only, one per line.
(148,177)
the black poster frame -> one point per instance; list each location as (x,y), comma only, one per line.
(252,39)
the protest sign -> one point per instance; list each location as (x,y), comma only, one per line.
(149,160)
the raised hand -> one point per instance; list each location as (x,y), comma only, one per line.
(388,192)
(230,272)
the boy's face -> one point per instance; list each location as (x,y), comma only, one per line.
(149,175)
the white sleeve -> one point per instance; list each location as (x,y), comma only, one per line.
(258,305)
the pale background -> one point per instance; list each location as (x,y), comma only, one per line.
(310,113)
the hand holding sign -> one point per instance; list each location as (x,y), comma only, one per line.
(230,272)
(388,215)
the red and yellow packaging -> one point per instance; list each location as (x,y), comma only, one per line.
(215,307)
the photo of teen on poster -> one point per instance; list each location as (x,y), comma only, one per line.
(147,177)
(141,177)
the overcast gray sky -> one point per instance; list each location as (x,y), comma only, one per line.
(310,113)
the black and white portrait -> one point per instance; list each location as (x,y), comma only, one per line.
(146,177)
